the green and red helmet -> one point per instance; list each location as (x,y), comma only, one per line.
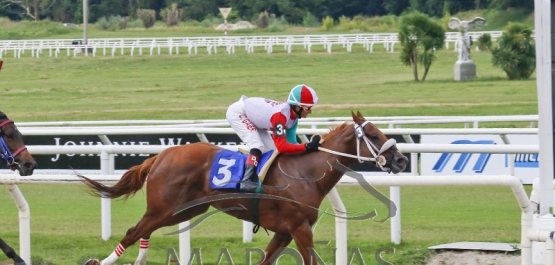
(302,95)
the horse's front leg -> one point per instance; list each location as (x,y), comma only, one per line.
(11,253)
(278,242)
(304,240)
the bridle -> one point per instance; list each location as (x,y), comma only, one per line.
(6,154)
(378,157)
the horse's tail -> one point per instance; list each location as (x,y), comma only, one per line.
(131,182)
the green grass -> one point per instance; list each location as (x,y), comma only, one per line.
(201,86)
(65,224)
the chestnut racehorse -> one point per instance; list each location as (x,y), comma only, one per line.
(178,188)
(15,154)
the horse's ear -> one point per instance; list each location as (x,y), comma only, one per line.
(356,119)
(360,116)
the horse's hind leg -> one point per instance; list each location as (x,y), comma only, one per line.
(143,249)
(149,223)
(144,228)
(278,242)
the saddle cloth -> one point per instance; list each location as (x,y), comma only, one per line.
(228,167)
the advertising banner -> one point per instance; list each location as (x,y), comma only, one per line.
(86,162)
(526,165)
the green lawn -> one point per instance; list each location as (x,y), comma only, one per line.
(201,86)
(66,224)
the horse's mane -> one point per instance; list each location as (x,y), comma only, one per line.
(3,116)
(334,131)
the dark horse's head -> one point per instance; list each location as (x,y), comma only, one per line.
(373,143)
(13,150)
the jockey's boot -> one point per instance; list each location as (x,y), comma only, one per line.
(249,183)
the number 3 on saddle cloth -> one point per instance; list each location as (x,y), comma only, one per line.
(228,167)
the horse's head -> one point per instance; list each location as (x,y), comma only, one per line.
(384,150)
(12,148)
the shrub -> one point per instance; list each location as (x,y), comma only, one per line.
(171,15)
(111,24)
(344,23)
(277,24)
(5,21)
(137,23)
(123,23)
(327,23)
(210,20)
(263,20)
(484,42)
(516,52)
(389,22)
(309,20)
(148,16)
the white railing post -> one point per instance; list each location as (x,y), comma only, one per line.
(247,232)
(105,203)
(24,222)
(184,243)
(340,226)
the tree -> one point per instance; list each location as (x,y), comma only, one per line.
(516,52)
(148,16)
(420,37)
(32,8)
(396,7)
(199,9)
(505,4)
(13,12)
(66,11)
(292,10)
(171,15)
(99,8)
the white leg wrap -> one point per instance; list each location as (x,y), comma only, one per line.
(110,260)
(141,259)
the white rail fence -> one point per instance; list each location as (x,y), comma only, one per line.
(11,181)
(107,152)
(314,123)
(173,45)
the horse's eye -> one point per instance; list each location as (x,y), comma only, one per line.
(374,136)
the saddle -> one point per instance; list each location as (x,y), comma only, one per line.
(264,169)
(228,166)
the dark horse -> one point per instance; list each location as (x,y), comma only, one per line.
(14,152)
(296,184)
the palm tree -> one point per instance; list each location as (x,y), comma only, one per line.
(420,37)
(516,52)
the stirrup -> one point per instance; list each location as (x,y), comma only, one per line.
(251,187)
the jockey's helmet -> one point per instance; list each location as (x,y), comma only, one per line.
(302,95)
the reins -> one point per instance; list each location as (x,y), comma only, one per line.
(378,158)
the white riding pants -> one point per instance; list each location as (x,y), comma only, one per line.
(245,129)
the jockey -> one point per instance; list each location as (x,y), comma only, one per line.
(251,118)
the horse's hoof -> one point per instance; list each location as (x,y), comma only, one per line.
(92,262)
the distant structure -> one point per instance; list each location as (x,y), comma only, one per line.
(464,67)
(236,26)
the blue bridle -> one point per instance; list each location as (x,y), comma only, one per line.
(6,154)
